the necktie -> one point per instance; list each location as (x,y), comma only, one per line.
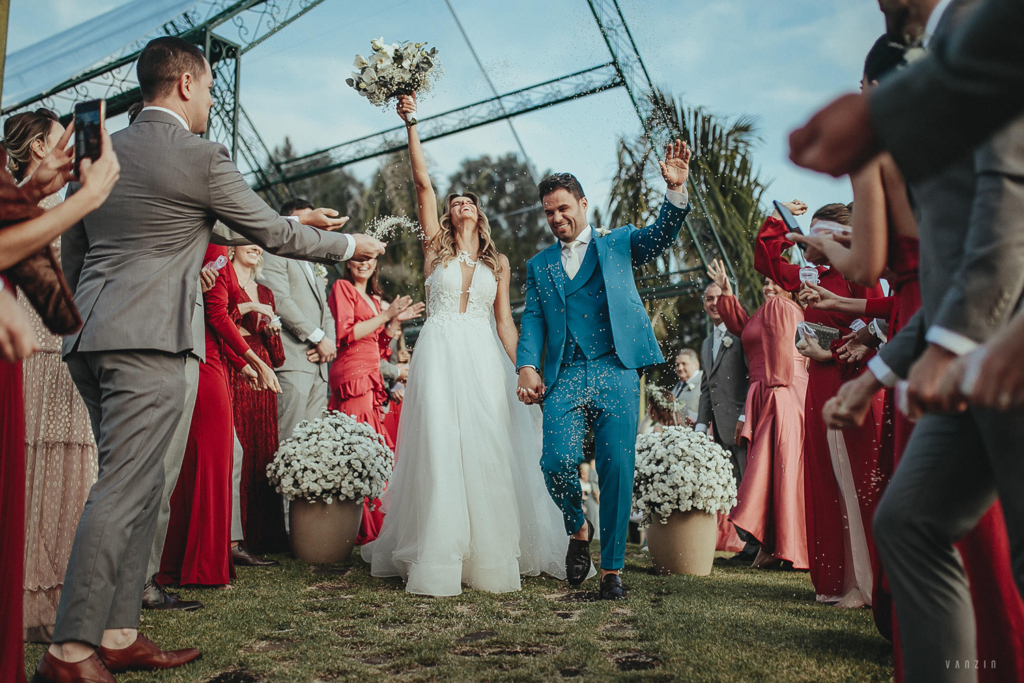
(716,345)
(572,258)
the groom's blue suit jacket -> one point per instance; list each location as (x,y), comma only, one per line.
(602,299)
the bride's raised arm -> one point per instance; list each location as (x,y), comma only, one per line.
(426,200)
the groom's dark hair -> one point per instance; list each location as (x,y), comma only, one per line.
(293,205)
(162,63)
(565,181)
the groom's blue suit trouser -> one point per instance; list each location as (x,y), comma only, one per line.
(603,395)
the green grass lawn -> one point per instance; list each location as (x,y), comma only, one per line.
(337,623)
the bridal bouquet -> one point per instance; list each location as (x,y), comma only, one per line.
(393,70)
(680,470)
(334,456)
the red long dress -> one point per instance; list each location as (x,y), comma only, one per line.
(12,512)
(985,551)
(356,385)
(841,467)
(198,546)
(770,503)
(256,426)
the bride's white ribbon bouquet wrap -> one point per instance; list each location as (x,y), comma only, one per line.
(332,457)
(393,70)
(681,470)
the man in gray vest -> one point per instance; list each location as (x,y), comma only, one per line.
(307,333)
(723,395)
(133,265)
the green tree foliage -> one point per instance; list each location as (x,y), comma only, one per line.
(729,190)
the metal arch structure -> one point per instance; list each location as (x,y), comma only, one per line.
(241,25)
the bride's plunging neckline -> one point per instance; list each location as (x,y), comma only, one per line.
(463,257)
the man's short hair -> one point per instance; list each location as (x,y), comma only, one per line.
(565,181)
(162,63)
(293,205)
(689,353)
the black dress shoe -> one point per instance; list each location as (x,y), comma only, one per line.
(243,557)
(577,558)
(612,588)
(155,597)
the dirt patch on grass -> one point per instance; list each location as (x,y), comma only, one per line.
(236,676)
(635,661)
(476,636)
(510,651)
(271,645)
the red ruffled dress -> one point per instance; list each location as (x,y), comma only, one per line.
(198,546)
(770,503)
(841,468)
(356,385)
(12,511)
(256,427)
(985,551)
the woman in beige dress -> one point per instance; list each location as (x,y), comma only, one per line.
(60,453)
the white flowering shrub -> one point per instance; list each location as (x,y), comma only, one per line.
(681,470)
(333,457)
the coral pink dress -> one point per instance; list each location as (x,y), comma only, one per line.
(356,385)
(770,503)
(841,466)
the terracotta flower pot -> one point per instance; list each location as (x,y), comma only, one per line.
(685,544)
(323,533)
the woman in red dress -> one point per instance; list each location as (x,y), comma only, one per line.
(840,467)
(256,411)
(884,241)
(365,326)
(198,546)
(770,502)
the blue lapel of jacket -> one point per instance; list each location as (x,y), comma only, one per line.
(553,257)
(585,271)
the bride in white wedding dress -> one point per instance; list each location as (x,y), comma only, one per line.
(467,503)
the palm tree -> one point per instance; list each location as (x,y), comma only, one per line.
(725,191)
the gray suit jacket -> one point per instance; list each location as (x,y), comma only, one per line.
(970,86)
(689,397)
(723,389)
(972,252)
(133,263)
(302,304)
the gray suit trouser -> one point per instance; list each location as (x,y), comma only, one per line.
(135,401)
(953,469)
(172,464)
(303,397)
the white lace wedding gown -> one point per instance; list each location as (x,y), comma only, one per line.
(467,502)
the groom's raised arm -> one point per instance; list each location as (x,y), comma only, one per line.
(649,242)
(242,210)
(534,329)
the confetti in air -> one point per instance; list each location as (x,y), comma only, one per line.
(386,227)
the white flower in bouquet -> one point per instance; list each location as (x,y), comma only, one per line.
(386,227)
(681,470)
(393,70)
(332,457)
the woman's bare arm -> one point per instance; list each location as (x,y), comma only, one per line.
(507,332)
(426,200)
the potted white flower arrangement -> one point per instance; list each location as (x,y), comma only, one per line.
(325,470)
(683,480)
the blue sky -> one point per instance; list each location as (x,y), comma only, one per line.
(778,60)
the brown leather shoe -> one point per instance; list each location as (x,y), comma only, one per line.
(243,557)
(91,670)
(145,655)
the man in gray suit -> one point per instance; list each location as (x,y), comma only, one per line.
(307,333)
(133,265)
(723,395)
(955,465)
(687,389)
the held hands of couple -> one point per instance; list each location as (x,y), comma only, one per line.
(530,388)
(260,376)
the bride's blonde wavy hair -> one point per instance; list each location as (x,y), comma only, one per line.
(444,242)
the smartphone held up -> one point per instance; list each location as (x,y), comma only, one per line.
(90,118)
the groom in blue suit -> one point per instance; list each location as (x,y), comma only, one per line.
(584,317)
